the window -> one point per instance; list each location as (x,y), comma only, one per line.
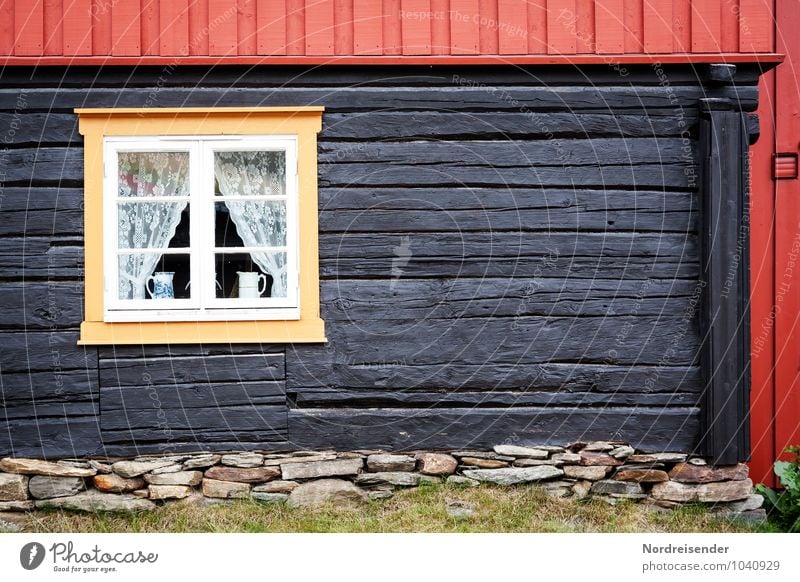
(201,225)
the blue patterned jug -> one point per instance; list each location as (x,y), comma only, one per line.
(162,285)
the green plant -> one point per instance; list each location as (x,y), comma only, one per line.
(783,507)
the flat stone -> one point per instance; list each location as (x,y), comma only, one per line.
(706,492)
(351,455)
(558,491)
(513,475)
(688,473)
(482,455)
(599,446)
(610,487)
(270,498)
(243,475)
(641,475)
(752,502)
(520,452)
(131,469)
(244,460)
(460,510)
(697,461)
(141,493)
(42,487)
(622,452)
(314,469)
(591,459)
(100,467)
(398,478)
(181,478)
(225,489)
(168,469)
(336,491)
(461,481)
(581,489)
(484,463)
(13,487)
(16,505)
(551,448)
(113,483)
(755,516)
(79,463)
(284,460)
(276,487)
(380,494)
(566,458)
(658,458)
(587,473)
(536,462)
(94,501)
(436,464)
(201,461)
(46,468)
(390,463)
(425,480)
(169,491)
(13,522)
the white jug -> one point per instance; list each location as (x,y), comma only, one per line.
(251,285)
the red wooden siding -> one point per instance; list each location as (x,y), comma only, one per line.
(325,29)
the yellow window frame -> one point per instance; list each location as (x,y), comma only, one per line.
(304,122)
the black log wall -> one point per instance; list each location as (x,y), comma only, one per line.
(506,255)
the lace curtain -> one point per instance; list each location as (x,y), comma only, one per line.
(258,223)
(147,225)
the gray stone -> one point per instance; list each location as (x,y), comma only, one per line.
(169,491)
(351,455)
(706,492)
(482,455)
(658,458)
(558,490)
(581,489)
(390,477)
(536,462)
(131,469)
(100,467)
(270,498)
(201,461)
(390,463)
(513,475)
(752,502)
(551,448)
(336,491)
(225,489)
(688,473)
(380,494)
(244,460)
(276,487)
(460,510)
(425,480)
(181,478)
(141,493)
(168,469)
(697,461)
(754,516)
(622,452)
(42,487)
(436,464)
(520,452)
(587,473)
(173,459)
(94,501)
(594,459)
(13,487)
(599,446)
(460,481)
(13,522)
(46,468)
(314,469)
(284,460)
(484,463)
(610,487)
(113,483)
(243,475)
(566,458)
(16,506)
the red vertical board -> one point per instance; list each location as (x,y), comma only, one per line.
(634,26)
(198,27)
(756,31)
(77,27)
(150,24)
(319,27)
(464,36)
(729,26)
(562,25)
(174,27)
(487,27)
(343,27)
(6,27)
(29,28)
(53,29)
(658,26)
(101,27)
(706,26)
(367,27)
(609,18)
(392,28)
(512,27)
(223,27)
(537,27)
(295,27)
(682,26)
(415,19)
(246,28)
(440,27)
(126,32)
(584,26)
(271,23)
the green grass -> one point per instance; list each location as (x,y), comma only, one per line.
(497,509)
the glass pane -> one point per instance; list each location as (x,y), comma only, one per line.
(251,275)
(250,173)
(143,174)
(251,223)
(154,276)
(152,225)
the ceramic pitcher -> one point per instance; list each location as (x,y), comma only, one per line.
(251,285)
(162,285)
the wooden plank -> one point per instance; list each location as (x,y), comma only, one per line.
(28,28)
(271,33)
(634,26)
(487,27)
(512,27)
(41,257)
(101,27)
(584,26)
(343,39)
(368,25)
(39,128)
(24,389)
(247,28)
(174,27)
(319,27)
(151,30)
(682,25)
(562,18)
(537,27)
(7,27)
(652,429)
(39,305)
(440,27)
(160,440)
(126,29)
(658,35)
(392,27)
(198,27)
(232,419)
(52,438)
(415,23)
(464,34)
(191,396)
(706,34)
(223,34)
(756,29)
(729,26)
(610,26)
(41,351)
(53,165)
(53,27)
(295,27)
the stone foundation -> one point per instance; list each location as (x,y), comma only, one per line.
(611,471)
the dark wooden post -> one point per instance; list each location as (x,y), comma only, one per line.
(724,153)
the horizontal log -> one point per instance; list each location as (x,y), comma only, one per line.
(41,305)
(41,258)
(234,419)
(123,443)
(42,351)
(58,385)
(188,396)
(64,437)
(650,429)
(41,409)
(180,350)
(39,128)
(43,165)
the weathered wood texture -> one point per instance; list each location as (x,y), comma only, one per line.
(502,251)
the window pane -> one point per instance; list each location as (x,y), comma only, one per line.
(251,223)
(143,174)
(152,225)
(154,276)
(250,173)
(251,275)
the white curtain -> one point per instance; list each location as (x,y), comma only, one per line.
(258,223)
(147,225)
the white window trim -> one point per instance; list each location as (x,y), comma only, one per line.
(204,305)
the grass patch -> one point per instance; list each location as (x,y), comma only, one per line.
(424,509)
